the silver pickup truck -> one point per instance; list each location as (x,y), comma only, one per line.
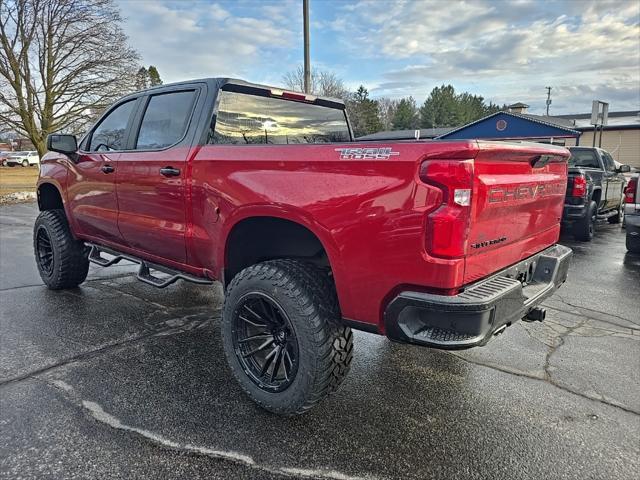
(632,213)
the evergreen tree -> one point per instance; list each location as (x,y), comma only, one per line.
(440,109)
(142,78)
(445,108)
(405,116)
(363,113)
(154,76)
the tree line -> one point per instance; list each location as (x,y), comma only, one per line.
(62,62)
(444,107)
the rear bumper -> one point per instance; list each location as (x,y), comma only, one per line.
(483,309)
(632,220)
(573,212)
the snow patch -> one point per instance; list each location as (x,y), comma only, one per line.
(18,197)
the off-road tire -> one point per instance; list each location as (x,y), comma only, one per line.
(70,263)
(585,228)
(632,243)
(325,346)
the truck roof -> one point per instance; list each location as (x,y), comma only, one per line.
(219,82)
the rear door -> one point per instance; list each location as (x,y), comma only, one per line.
(151,176)
(92,179)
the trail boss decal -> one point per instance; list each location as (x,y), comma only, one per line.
(383,153)
(525,192)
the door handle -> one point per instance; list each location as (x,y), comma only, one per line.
(170,171)
(108,169)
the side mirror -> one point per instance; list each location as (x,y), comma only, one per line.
(624,169)
(66,144)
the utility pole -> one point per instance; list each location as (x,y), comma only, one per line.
(307,61)
(548,99)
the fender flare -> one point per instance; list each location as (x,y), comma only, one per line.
(295,215)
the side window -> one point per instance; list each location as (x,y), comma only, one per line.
(609,164)
(165,120)
(111,132)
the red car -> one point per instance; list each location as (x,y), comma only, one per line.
(437,243)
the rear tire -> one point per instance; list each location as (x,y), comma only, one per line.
(585,228)
(61,259)
(633,243)
(294,320)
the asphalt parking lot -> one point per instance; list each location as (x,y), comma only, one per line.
(119,380)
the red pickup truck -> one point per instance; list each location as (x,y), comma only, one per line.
(435,243)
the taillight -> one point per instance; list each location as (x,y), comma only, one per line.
(630,191)
(579,187)
(448,225)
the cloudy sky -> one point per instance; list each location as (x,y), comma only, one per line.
(506,51)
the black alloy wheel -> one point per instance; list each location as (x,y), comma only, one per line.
(282,335)
(265,342)
(44,250)
(61,259)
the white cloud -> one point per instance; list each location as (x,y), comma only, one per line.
(191,40)
(504,50)
(516,47)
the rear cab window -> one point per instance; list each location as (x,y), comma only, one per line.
(247,119)
(584,158)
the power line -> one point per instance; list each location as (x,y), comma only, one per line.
(548,99)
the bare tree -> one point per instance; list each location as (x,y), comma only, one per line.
(323,83)
(61,62)
(386,111)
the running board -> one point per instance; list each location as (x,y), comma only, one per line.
(608,214)
(144,272)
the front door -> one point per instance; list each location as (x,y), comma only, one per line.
(92,180)
(151,178)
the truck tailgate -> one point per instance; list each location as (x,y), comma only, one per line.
(517,200)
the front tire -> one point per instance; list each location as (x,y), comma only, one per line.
(585,228)
(282,335)
(61,259)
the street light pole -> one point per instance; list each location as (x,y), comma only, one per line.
(307,61)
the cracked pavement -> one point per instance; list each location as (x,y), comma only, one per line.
(119,380)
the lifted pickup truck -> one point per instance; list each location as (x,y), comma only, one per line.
(442,243)
(594,191)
